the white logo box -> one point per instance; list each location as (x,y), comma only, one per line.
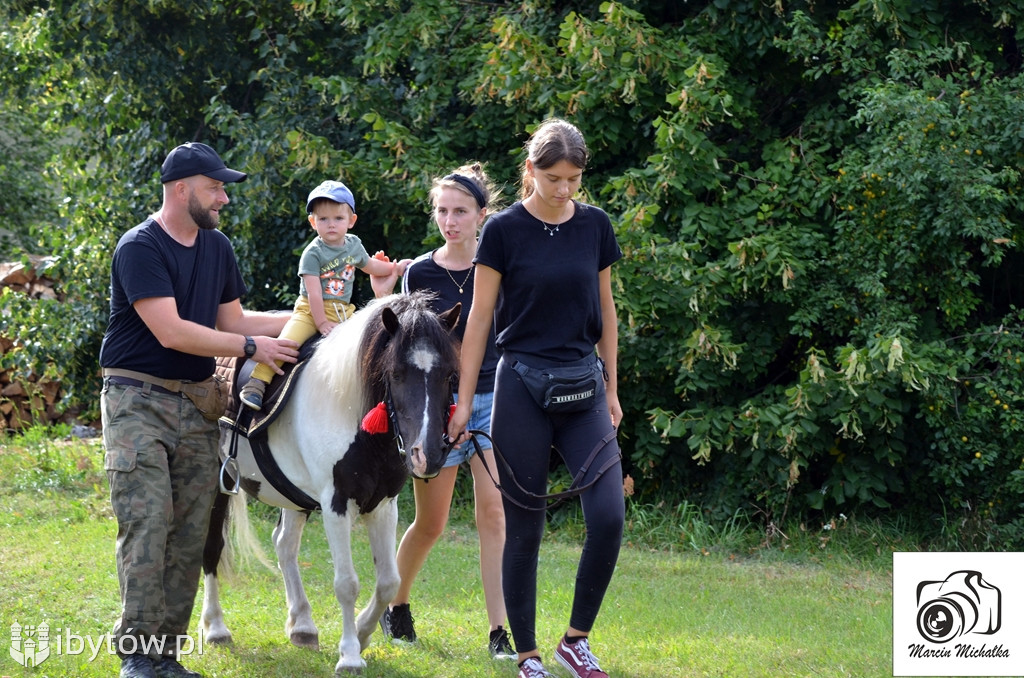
(958,614)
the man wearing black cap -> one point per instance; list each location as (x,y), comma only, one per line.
(175,292)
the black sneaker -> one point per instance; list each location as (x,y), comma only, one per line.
(168,667)
(397,623)
(500,646)
(136,666)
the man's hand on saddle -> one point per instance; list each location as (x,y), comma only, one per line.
(271,350)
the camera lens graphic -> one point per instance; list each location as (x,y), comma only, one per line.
(962,603)
(941,620)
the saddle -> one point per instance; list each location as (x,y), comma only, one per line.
(236,372)
(240,420)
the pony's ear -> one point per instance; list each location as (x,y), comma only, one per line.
(451,317)
(390,320)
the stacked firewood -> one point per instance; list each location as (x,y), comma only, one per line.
(22,277)
(35,401)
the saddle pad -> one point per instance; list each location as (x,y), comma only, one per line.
(228,368)
(237,370)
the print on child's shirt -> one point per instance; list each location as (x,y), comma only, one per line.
(334,282)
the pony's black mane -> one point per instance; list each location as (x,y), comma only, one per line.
(381,351)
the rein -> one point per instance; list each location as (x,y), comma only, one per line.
(558,497)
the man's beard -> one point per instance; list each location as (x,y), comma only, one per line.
(203,217)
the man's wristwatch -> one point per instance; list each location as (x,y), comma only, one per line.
(250,347)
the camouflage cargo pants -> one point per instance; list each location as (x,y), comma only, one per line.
(161,462)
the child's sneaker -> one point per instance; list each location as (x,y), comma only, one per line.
(252,394)
(578,659)
(499,645)
(532,667)
(397,623)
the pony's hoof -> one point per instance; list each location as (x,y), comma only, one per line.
(341,671)
(301,639)
(219,638)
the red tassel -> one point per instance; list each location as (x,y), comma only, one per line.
(376,420)
(451,413)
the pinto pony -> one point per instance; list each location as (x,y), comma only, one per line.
(395,359)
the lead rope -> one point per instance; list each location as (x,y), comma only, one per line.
(558,497)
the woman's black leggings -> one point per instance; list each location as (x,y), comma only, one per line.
(525,435)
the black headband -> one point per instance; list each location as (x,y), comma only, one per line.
(470,185)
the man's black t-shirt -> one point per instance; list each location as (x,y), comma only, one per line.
(149,263)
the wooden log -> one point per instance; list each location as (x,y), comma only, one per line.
(19,418)
(13,390)
(16,273)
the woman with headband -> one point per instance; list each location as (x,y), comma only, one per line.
(461,203)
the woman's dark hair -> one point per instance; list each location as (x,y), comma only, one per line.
(552,141)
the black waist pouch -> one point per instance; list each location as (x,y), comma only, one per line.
(567,388)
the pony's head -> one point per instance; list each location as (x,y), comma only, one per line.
(408,363)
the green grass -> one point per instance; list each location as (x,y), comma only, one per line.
(687,600)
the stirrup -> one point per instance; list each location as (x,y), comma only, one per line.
(229,469)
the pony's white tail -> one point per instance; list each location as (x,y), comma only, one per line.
(240,542)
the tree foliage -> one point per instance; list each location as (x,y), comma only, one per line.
(819,204)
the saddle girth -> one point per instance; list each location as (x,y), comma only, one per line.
(254,425)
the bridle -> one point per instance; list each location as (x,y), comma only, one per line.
(389,406)
(392,414)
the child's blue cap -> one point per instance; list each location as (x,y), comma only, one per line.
(332,190)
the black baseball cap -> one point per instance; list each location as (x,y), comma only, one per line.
(195,158)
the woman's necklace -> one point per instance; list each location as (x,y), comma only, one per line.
(550,228)
(448,271)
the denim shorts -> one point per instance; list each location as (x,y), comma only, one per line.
(479,419)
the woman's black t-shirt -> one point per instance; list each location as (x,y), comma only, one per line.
(549,302)
(426,274)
